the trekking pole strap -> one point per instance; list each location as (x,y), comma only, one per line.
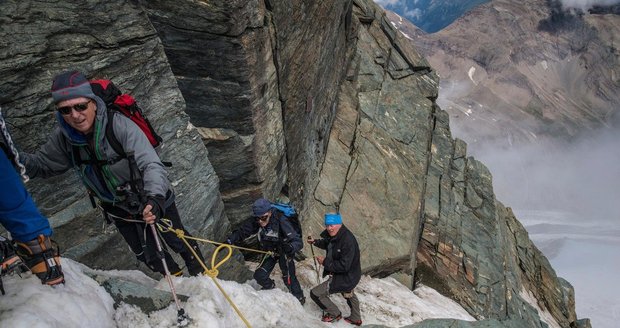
(7,137)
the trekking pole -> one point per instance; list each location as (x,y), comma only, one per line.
(182,318)
(316,266)
(9,142)
(138,185)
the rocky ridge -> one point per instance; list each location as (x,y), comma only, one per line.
(512,72)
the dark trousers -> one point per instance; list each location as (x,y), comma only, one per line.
(139,236)
(287,266)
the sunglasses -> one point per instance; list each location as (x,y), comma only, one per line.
(263,217)
(66,110)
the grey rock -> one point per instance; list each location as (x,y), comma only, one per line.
(147,298)
(583,323)
(308,80)
(221,54)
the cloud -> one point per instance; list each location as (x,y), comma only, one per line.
(579,177)
(413,14)
(384,3)
(587,4)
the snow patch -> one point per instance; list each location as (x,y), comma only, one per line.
(406,35)
(545,316)
(470,73)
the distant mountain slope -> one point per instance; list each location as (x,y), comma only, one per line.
(519,71)
(430,15)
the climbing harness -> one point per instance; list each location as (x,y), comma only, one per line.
(165,225)
(9,141)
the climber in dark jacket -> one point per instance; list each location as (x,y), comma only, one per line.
(30,230)
(342,264)
(80,142)
(276,234)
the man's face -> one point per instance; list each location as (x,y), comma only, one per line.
(79,113)
(264,219)
(332,229)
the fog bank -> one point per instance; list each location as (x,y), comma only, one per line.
(580,177)
(587,4)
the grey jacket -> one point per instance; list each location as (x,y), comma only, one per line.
(55,157)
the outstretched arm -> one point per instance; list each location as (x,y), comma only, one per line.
(50,160)
(248,228)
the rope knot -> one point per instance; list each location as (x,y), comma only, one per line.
(212,273)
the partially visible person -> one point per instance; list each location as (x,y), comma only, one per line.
(29,229)
(341,264)
(133,190)
(276,234)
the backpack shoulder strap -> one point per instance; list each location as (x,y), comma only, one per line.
(111,137)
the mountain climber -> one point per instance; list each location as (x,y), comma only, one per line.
(276,234)
(342,264)
(132,188)
(29,229)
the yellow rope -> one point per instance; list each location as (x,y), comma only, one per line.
(168,228)
(213,272)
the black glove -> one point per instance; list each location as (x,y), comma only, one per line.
(157,204)
(288,249)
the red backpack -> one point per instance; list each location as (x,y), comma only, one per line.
(118,102)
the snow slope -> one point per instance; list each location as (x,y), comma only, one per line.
(81,302)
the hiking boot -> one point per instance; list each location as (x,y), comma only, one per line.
(330,318)
(194,267)
(299,256)
(272,285)
(302,300)
(42,257)
(353,322)
(9,261)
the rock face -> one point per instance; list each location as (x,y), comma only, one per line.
(515,71)
(376,160)
(323,101)
(115,40)
(258,64)
(221,53)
